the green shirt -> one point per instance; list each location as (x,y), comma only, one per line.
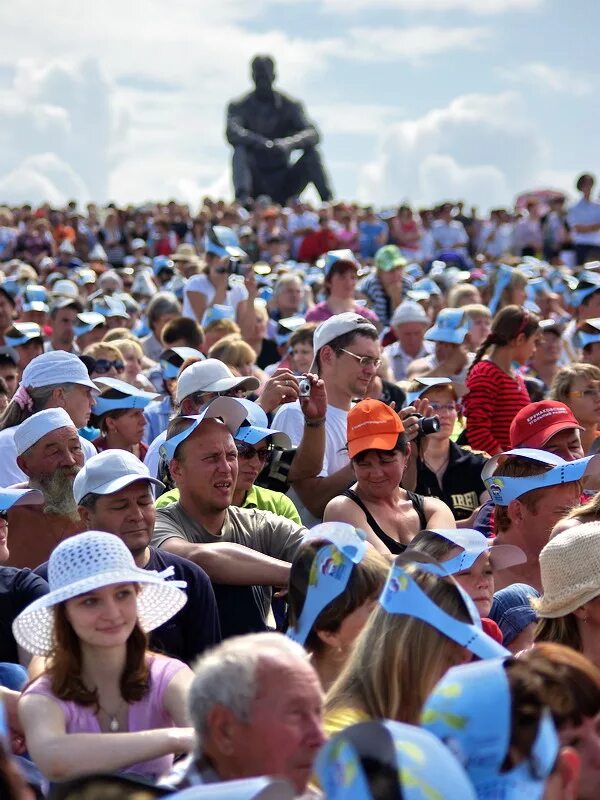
(257,497)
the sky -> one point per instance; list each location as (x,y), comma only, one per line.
(416,100)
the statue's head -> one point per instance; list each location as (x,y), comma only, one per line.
(263,74)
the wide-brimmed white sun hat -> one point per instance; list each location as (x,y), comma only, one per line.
(87,562)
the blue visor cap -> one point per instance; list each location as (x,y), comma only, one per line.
(223,241)
(20,333)
(504,490)
(34,292)
(428,383)
(470,710)
(473,545)
(333,257)
(285,328)
(111,307)
(403,595)
(87,321)
(255,427)
(160,263)
(227,410)
(132,397)
(427,285)
(172,359)
(584,290)
(330,571)
(217,312)
(451,325)
(19,497)
(425,768)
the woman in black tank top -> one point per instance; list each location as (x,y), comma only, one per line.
(376,503)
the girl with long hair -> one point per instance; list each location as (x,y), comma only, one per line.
(578,387)
(423,626)
(105,703)
(497,391)
(330,634)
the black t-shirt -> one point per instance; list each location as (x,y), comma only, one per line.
(195,627)
(461,483)
(269,354)
(18,588)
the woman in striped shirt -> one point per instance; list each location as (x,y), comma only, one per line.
(496,390)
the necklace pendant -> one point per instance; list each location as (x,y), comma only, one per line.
(113,724)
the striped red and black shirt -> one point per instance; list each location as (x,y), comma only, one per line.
(493,399)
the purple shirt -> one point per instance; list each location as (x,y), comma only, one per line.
(147,714)
(322,312)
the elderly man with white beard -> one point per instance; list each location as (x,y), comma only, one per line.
(49,453)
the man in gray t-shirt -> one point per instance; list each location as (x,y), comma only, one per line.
(247,549)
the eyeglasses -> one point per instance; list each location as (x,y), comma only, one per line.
(3,517)
(104,365)
(586,393)
(247,452)
(364,361)
(444,407)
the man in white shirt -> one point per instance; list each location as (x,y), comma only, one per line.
(409,322)
(347,356)
(584,222)
(448,233)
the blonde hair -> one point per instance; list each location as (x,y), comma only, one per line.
(459,293)
(477,311)
(128,346)
(518,280)
(566,377)
(228,326)
(398,659)
(233,351)
(119,333)
(98,349)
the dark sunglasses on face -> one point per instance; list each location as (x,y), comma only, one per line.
(3,516)
(247,452)
(104,365)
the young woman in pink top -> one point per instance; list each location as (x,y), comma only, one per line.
(105,702)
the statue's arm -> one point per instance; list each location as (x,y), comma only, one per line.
(306,134)
(237,133)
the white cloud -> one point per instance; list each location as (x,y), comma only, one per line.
(409,44)
(483,7)
(549,78)
(463,150)
(354,118)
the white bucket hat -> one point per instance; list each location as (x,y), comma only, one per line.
(570,571)
(87,562)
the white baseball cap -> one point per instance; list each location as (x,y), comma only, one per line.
(338,325)
(211,375)
(38,425)
(110,471)
(57,366)
(227,409)
(409,311)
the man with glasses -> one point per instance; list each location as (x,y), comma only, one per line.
(346,357)
(197,385)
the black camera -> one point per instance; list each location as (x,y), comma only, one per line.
(427,425)
(236,266)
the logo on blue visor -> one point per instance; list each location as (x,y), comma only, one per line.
(329,573)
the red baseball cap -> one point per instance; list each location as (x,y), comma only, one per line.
(536,423)
(372,426)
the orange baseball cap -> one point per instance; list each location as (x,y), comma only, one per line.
(372,426)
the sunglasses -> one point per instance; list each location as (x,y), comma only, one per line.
(4,516)
(247,452)
(104,365)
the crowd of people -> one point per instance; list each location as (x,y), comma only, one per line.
(300,503)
